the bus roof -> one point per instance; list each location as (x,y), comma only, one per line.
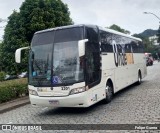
(119,33)
(62,27)
(80,25)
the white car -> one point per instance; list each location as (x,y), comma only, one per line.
(23,75)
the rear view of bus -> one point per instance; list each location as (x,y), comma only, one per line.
(58,73)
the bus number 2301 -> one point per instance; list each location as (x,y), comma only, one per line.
(65,88)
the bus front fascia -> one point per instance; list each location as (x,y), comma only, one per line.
(18,54)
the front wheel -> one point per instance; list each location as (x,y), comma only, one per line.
(109,93)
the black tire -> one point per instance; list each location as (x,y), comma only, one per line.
(109,93)
(139,78)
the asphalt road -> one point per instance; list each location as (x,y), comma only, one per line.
(133,105)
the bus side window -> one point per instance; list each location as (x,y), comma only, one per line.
(92,57)
(137,47)
(127,48)
(105,39)
(141,47)
(134,47)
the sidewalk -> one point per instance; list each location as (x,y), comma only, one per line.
(4,107)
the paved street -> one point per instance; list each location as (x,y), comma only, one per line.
(133,105)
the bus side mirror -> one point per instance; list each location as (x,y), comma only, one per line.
(81,47)
(18,54)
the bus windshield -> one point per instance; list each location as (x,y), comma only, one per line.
(54,58)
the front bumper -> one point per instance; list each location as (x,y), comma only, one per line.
(75,100)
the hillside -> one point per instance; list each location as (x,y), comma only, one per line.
(148,33)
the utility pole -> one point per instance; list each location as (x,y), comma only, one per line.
(158,34)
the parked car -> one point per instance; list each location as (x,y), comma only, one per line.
(9,77)
(23,75)
(149,59)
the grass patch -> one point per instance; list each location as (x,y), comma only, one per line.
(12,89)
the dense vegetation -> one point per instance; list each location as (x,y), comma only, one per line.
(13,89)
(34,15)
(158,34)
(149,46)
(148,33)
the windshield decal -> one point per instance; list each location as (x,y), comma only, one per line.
(56,80)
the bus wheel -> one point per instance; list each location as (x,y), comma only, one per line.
(109,93)
(139,78)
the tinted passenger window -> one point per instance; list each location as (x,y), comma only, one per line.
(120,43)
(128,47)
(92,57)
(134,46)
(106,39)
(141,47)
(117,39)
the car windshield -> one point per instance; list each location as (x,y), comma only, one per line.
(54,58)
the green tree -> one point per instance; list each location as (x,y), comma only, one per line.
(148,45)
(117,28)
(1,57)
(34,15)
(158,35)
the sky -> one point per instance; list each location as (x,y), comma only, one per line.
(128,14)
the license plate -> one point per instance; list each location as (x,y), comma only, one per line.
(54,102)
(42,89)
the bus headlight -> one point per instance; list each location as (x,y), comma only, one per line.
(33,92)
(77,90)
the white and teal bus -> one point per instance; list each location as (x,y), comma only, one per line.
(80,65)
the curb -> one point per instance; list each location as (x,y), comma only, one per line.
(8,106)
